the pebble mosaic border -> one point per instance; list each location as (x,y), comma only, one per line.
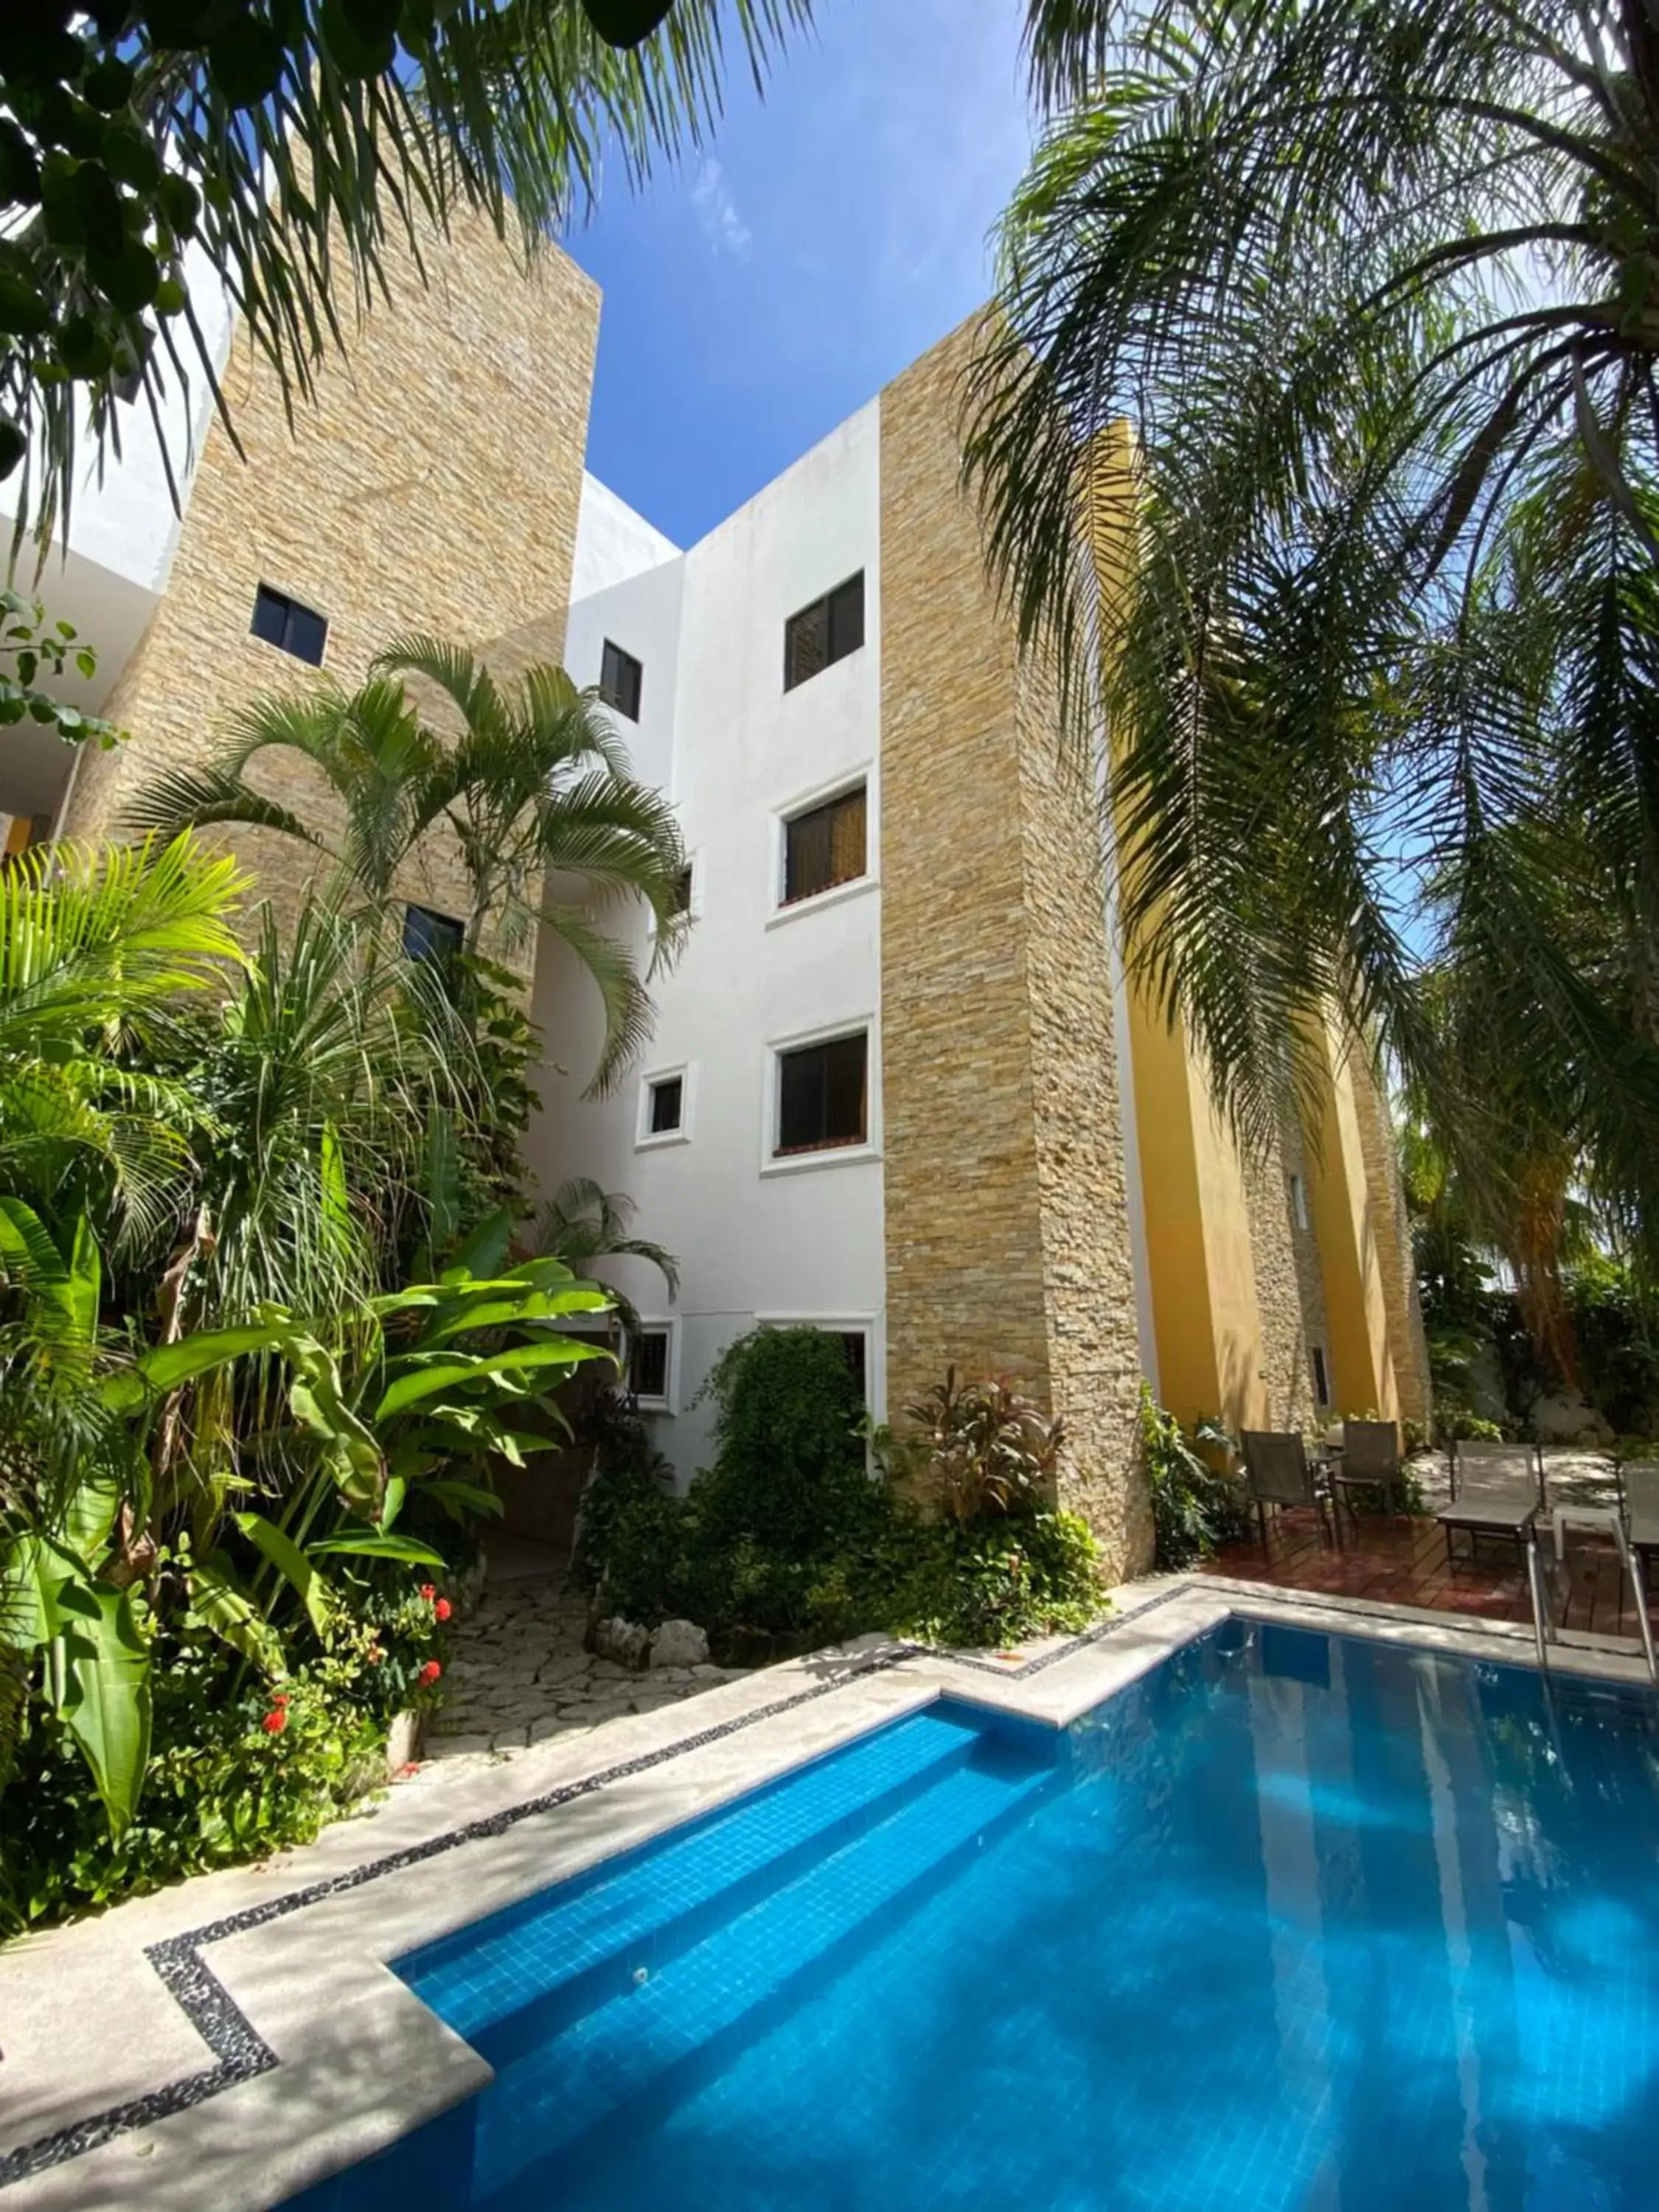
(241,2053)
(239,2049)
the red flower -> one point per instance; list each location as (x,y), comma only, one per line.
(442,1608)
(431,1671)
(276,1720)
(428,1591)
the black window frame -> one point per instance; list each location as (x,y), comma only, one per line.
(856,1343)
(622,679)
(831,1082)
(657,1334)
(438,936)
(793,892)
(287,625)
(828,629)
(1322,1374)
(685,887)
(658,1086)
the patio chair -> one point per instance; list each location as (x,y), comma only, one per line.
(1277,1473)
(1497,1491)
(1370,1460)
(1639,1494)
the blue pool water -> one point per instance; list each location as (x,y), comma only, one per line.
(1295,1925)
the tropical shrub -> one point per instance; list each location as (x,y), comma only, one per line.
(1194,1509)
(239,1770)
(791,1540)
(981,1448)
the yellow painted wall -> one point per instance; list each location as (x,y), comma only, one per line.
(1343,1204)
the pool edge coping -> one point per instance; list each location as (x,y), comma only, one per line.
(264,2052)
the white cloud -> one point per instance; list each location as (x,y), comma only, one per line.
(723,227)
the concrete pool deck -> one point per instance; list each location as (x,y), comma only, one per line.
(228,2041)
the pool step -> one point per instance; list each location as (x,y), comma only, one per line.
(641,2052)
(559,1955)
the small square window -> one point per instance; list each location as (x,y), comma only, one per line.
(824,847)
(827,631)
(289,626)
(1322,1381)
(429,936)
(682,891)
(647,1366)
(824,1096)
(621,678)
(667,1106)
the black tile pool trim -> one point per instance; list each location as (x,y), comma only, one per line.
(242,2053)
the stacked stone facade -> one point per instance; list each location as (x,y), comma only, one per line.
(1007,1222)
(433,485)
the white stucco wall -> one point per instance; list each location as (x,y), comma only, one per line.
(613,542)
(755,1240)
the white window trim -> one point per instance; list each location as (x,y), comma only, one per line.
(846,1324)
(670,1400)
(833,1156)
(803,802)
(645,1140)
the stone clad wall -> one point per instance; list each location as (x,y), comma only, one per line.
(1006,1229)
(434,485)
(1289,1286)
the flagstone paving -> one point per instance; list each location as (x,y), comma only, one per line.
(518,1674)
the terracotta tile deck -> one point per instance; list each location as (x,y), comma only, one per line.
(1401,1559)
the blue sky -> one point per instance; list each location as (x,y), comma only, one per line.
(756,296)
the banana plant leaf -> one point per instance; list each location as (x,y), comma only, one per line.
(373,1545)
(415,1376)
(223,1604)
(307,1581)
(105,1694)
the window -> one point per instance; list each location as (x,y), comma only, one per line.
(682,891)
(666,1106)
(827,630)
(855,1343)
(824,847)
(648,1367)
(1320,1376)
(823,1096)
(1298,1200)
(620,678)
(289,627)
(429,936)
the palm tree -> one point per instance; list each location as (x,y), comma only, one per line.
(96,949)
(535,786)
(583,1222)
(294,145)
(1375,287)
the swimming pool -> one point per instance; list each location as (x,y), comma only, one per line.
(1294,1922)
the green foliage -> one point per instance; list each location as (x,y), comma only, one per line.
(790,1468)
(222,1788)
(34,646)
(979,1448)
(535,789)
(788,1540)
(1194,1509)
(1616,1332)
(1376,605)
(994,1581)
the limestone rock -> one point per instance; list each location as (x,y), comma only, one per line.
(679,1643)
(623,1641)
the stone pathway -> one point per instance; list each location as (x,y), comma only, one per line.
(519,1673)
